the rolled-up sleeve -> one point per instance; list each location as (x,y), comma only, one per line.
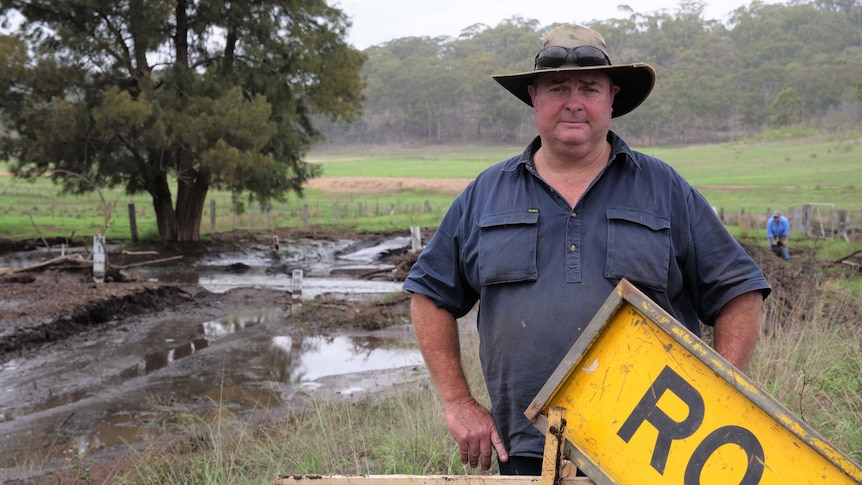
(720,269)
(438,273)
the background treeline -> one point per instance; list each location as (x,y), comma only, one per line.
(767,67)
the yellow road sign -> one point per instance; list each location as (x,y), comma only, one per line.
(649,402)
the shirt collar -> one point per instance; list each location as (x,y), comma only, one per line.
(620,153)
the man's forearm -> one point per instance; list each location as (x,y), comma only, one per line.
(737,329)
(437,335)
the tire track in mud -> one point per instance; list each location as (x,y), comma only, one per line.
(89,316)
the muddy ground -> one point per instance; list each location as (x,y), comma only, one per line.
(58,310)
(59,307)
(45,306)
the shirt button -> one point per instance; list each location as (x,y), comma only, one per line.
(572,248)
(574,214)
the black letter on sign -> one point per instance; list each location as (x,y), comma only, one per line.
(718,438)
(668,429)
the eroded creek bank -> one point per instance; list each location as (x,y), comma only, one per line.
(230,328)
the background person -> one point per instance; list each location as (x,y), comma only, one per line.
(543,238)
(777,230)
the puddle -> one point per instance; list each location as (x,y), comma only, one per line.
(325,268)
(112,390)
(309,288)
(328,356)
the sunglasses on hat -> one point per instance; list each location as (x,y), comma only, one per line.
(554,56)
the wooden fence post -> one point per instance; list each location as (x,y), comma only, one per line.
(133,222)
(842,224)
(212,216)
(415,238)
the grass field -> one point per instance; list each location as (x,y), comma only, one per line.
(753,177)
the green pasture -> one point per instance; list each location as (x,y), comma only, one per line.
(762,176)
(434,162)
(750,177)
(735,176)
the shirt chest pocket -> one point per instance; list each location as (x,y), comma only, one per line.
(638,247)
(507,247)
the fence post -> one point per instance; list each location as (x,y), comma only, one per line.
(133,222)
(415,238)
(212,216)
(842,224)
(100,259)
(743,221)
(296,284)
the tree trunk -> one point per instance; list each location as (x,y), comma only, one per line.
(166,219)
(191,197)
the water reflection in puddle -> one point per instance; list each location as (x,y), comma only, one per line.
(299,359)
(329,268)
(158,360)
(326,356)
(311,287)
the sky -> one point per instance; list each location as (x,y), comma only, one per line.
(379,21)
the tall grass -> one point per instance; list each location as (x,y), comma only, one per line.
(810,359)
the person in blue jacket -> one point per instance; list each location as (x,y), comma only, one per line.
(543,238)
(777,230)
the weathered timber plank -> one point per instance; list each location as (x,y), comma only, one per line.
(420,480)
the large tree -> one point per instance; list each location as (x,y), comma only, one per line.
(142,93)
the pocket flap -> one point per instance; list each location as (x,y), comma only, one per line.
(529,216)
(652,221)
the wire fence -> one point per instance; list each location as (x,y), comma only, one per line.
(816,220)
(39,206)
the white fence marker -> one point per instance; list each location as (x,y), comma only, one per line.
(99,258)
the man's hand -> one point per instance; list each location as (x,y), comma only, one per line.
(474,430)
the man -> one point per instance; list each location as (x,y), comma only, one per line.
(777,229)
(543,238)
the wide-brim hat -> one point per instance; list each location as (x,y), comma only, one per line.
(635,80)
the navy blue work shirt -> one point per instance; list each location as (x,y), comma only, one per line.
(541,269)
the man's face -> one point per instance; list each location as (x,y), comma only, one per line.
(573,107)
